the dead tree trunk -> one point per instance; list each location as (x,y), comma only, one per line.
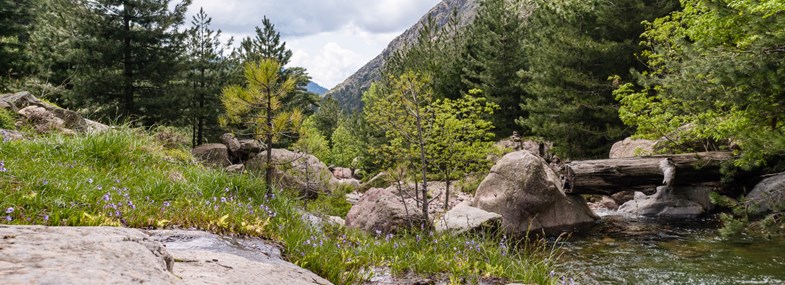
(608,176)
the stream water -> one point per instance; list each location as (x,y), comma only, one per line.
(643,251)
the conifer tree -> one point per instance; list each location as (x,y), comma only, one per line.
(15,20)
(207,74)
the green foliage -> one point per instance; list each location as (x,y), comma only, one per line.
(58,181)
(327,117)
(572,48)
(7,119)
(346,147)
(266,45)
(15,21)
(312,142)
(717,68)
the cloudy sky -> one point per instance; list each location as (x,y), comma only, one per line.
(331,38)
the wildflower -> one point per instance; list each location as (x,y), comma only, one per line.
(90,180)
(223,199)
(107,196)
(100,187)
(226,189)
(2,166)
(378,233)
(46,218)
(131,204)
(9,210)
(117,181)
(388,237)
(166,204)
(552,273)
(8,218)
(395,245)
(45,182)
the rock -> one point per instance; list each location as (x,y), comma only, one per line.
(342,173)
(296,171)
(768,195)
(205,258)
(70,119)
(213,154)
(94,127)
(381,210)
(249,148)
(528,195)
(81,255)
(630,147)
(353,183)
(235,168)
(43,120)
(353,197)
(464,218)
(232,143)
(671,203)
(623,197)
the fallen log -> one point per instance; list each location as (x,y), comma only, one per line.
(608,176)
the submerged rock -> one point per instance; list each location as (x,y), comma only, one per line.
(668,202)
(528,195)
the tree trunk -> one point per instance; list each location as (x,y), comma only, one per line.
(268,169)
(128,87)
(609,176)
(423,160)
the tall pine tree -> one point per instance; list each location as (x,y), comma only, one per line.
(132,50)
(15,20)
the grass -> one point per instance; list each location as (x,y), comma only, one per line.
(126,177)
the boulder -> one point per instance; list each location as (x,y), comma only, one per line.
(295,170)
(671,203)
(342,173)
(42,119)
(235,168)
(213,154)
(382,211)
(231,142)
(528,195)
(768,195)
(9,135)
(465,218)
(623,197)
(67,119)
(630,147)
(249,148)
(78,255)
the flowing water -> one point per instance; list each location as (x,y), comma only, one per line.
(641,251)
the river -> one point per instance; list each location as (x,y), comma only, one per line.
(645,251)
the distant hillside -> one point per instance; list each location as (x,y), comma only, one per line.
(349,93)
(316,88)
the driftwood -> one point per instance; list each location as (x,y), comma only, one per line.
(608,176)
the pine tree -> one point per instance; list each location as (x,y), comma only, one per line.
(494,53)
(132,50)
(207,74)
(266,44)
(15,20)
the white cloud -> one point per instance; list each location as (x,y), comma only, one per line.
(330,38)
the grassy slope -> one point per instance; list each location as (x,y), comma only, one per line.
(126,178)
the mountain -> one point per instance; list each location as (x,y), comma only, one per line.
(316,88)
(349,93)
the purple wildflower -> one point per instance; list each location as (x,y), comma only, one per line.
(9,210)
(90,180)
(46,218)
(2,166)
(8,218)
(45,182)
(100,187)
(166,204)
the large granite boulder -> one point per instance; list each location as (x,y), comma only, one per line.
(671,203)
(382,211)
(231,142)
(768,195)
(630,147)
(36,111)
(465,218)
(212,154)
(528,195)
(75,255)
(295,170)
(343,173)
(106,255)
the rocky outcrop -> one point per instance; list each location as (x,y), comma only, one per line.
(45,117)
(295,170)
(66,255)
(630,147)
(528,195)
(671,203)
(381,210)
(105,255)
(465,218)
(342,173)
(768,195)
(213,154)
(243,150)
(349,93)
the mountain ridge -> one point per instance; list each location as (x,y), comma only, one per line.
(348,93)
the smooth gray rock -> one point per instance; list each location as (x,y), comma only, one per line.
(768,195)
(667,202)
(212,154)
(465,218)
(81,255)
(630,147)
(528,195)
(295,170)
(231,142)
(70,119)
(381,210)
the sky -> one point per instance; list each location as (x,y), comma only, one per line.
(330,38)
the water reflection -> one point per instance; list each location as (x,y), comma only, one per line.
(641,251)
